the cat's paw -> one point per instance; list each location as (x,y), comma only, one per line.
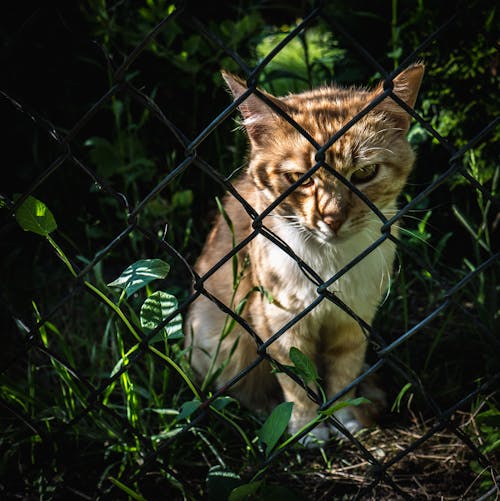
(349,422)
(317,437)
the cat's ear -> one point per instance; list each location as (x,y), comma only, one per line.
(258,117)
(406,87)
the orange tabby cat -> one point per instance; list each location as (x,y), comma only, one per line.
(324,223)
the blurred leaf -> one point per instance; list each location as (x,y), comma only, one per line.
(303,366)
(127,490)
(222,402)
(291,70)
(242,492)
(183,198)
(188,408)
(104,156)
(344,403)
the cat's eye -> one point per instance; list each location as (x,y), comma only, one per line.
(364,174)
(293,177)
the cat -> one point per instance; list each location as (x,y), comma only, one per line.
(325,224)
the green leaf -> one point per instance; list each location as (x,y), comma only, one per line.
(275,425)
(154,310)
(491,447)
(304,367)
(104,155)
(33,215)
(222,402)
(139,274)
(344,403)
(242,492)
(397,402)
(188,408)
(490,417)
(127,490)
(183,198)
(220,483)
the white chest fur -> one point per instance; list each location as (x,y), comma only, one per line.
(360,288)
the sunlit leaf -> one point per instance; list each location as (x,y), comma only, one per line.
(139,274)
(154,310)
(33,215)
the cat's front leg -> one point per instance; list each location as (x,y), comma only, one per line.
(343,358)
(303,412)
(305,409)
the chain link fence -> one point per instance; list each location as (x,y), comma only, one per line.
(59,398)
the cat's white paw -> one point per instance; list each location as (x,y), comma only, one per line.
(317,437)
(350,423)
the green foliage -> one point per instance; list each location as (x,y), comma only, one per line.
(275,425)
(139,274)
(488,423)
(449,234)
(303,366)
(33,215)
(342,404)
(307,61)
(221,482)
(155,308)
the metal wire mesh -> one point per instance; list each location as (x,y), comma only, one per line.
(66,148)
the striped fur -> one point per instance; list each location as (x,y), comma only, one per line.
(324,223)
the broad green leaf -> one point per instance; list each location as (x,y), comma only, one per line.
(242,492)
(304,367)
(33,215)
(188,408)
(275,425)
(139,274)
(154,310)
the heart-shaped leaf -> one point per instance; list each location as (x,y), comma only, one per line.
(155,309)
(139,274)
(33,215)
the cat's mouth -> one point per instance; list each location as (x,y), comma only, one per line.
(326,234)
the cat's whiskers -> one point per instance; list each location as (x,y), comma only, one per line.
(385,278)
(279,157)
(377,148)
(296,223)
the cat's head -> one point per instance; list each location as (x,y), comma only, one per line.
(373,154)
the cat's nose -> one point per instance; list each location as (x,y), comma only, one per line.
(334,222)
